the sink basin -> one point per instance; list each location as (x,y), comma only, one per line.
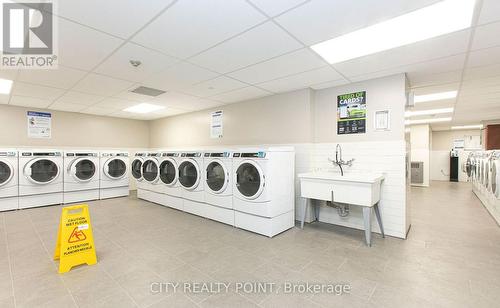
(360,178)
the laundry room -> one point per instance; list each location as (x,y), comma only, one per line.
(250,153)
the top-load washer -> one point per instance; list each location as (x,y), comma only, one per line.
(81,176)
(136,168)
(263,189)
(9,180)
(41,181)
(190,174)
(114,181)
(150,175)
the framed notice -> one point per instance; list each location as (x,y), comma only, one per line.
(216,124)
(351,113)
(39,124)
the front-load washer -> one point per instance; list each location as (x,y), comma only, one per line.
(263,189)
(136,169)
(150,175)
(168,182)
(81,176)
(9,180)
(218,186)
(40,178)
(114,181)
(190,174)
(495,175)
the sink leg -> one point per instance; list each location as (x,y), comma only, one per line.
(368,224)
(304,211)
(379,219)
(316,210)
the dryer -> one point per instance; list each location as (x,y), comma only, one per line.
(263,189)
(190,174)
(81,176)
(150,174)
(9,180)
(495,175)
(114,181)
(168,184)
(136,168)
(40,178)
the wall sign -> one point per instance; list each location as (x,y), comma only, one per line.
(382,120)
(216,124)
(39,124)
(351,113)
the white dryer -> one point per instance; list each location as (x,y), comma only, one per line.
(136,168)
(9,180)
(190,174)
(495,175)
(263,190)
(81,176)
(150,174)
(114,181)
(168,183)
(218,188)
(41,180)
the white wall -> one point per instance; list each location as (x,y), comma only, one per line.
(420,138)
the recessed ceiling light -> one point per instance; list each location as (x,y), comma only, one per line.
(428,112)
(5,86)
(478,126)
(435,96)
(434,20)
(144,108)
(427,121)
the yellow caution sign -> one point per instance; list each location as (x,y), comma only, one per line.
(75,243)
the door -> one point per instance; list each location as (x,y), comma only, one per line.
(6,172)
(150,170)
(137,169)
(168,172)
(41,171)
(217,176)
(83,169)
(250,180)
(189,174)
(115,168)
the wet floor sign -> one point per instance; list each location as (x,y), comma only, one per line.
(75,244)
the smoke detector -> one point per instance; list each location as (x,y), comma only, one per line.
(135,63)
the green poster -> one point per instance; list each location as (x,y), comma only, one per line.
(351,113)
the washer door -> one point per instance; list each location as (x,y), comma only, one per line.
(115,168)
(137,169)
(83,169)
(189,174)
(6,172)
(217,176)
(250,180)
(41,171)
(168,172)
(150,171)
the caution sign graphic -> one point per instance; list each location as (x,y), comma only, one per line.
(75,243)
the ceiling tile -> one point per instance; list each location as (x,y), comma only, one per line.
(292,63)
(490,11)
(191,26)
(328,84)
(81,47)
(179,76)
(96,110)
(275,7)
(486,36)
(61,106)
(483,57)
(25,89)
(179,101)
(101,85)
(118,17)
(62,77)
(303,80)
(214,86)
(320,20)
(9,74)
(258,44)
(4,99)
(132,96)
(423,79)
(115,103)
(241,95)
(118,65)
(78,98)
(29,102)
(482,72)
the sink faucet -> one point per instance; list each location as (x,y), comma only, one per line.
(338,159)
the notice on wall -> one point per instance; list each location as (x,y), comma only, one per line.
(351,113)
(39,124)
(216,124)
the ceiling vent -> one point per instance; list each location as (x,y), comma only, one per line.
(147,91)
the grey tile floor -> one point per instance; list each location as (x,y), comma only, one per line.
(451,258)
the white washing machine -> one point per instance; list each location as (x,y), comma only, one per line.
(114,181)
(264,189)
(81,176)
(150,174)
(218,186)
(190,175)
(40,178)
(9,180)
(168,184)
(136,168)
(495,175)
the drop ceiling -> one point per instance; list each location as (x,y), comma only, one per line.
(211,53)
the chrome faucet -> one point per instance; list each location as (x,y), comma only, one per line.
(338,159)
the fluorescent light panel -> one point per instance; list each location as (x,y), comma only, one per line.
(428,112)
(434,20)
(478,126)
(5,86)
(435,96)
(144,108)
(427,121)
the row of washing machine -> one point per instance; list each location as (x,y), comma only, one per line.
(252,189)
(483,169)
(32,178)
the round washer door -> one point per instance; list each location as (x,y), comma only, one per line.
(83,169)
(168,172)
(250,180)
(217,177)
(115,168)
(136,167)
(189,174)
(150,171)
(41,171)
(6,172)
